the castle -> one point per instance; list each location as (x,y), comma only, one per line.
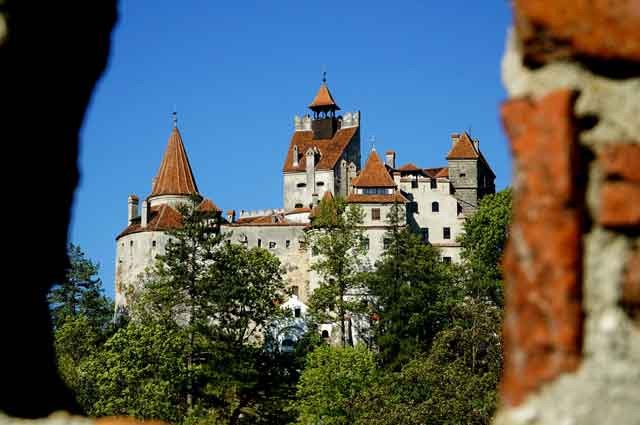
(323,159)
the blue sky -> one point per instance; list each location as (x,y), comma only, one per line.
(237,72)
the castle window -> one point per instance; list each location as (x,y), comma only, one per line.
(294,290)
(259,243)
(435,207)
(298,205)
(462,175)
(131,244)
(297,312)
(374,191)
(272,245)
(434,183)
(446,233)
(386,243)
(153,244)
(414,183)
(301,185)
(375,213)
(446,260)
(325,334)
(425,234)
(320,184)
(287,244)
(365,243)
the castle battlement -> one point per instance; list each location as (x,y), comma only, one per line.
(349,119)
(261,213)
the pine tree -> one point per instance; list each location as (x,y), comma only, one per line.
(336,241)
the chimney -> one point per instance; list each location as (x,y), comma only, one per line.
(132,208)
(390,159)
(144,215)
(231,216)
(454,138)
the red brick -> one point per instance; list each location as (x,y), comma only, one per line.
(603,29)
(630,297)
(543,259)
(620,204)
(621,161)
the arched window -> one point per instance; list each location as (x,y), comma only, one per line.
(325,333)
(435,207)
(298,206)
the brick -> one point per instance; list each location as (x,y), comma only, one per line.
(630,296)
(620,205)
(543,258)
(601,29)
(621,161)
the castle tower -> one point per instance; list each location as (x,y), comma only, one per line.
(469,172)
(322,153)
(174,182)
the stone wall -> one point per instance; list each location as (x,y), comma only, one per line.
(572,264)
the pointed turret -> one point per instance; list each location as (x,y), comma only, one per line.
(374,174)
(174,176)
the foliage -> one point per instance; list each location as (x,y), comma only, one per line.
(483,241)
(331,383)
(220,296)
(454,383)
(413,294)
(136,374)
(80,293)
(336,239)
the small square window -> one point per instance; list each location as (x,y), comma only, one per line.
(375,213)
(259,243)
(414,184)
(446,260)
(287,244)
(272,245)
(294,290)
(446,233)
(297,312)
(435,207)
(386,243)
(153,244)
(463,175)
(434,184)
(365,243)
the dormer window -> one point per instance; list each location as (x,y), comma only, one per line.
(295,156)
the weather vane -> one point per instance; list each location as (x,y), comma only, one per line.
(175,116)
(372,142)
(324,73)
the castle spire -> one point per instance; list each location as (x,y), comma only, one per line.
(175,176)
(323,102)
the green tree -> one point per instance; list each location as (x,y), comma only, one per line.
(455,383)
(331,383)
(412,291)
(336,242)
(483,240)
(136,373)
(80,292)
(221,297)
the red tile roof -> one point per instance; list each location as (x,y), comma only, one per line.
(374,173)
(298,211)
(162,217)
(437,172)
(464,148)
(174,176)
(208,206)
(409,167)
(323,98)
(396,197)
(266,220)
(330,149)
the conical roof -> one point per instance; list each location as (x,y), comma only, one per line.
(175,176)
(374,173)
(323,99)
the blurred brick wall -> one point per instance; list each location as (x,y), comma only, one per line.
(572,264)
